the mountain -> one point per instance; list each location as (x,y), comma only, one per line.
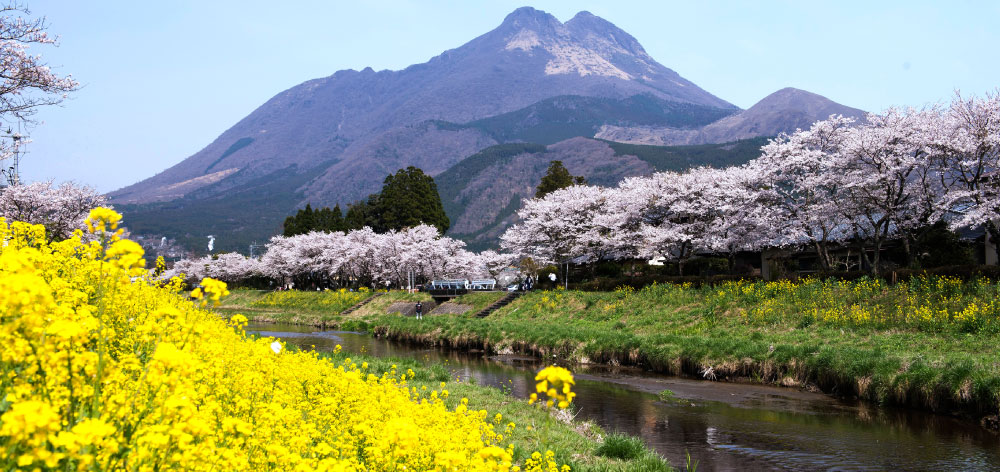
(532,79)
(783,111)
(530,57)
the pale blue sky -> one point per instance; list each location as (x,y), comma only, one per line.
(163,79)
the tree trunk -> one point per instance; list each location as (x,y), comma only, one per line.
(824,255)
(680,258)
(908,240)
(566,278)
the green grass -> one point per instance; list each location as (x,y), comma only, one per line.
(621,446)
(327,301)
(313,308)
(574,443)
(478,300)
(929,343)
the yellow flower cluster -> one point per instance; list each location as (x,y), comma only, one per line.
(101,219)
(211,290)
(104,369)
(557,384)
(924,302)
(549,302)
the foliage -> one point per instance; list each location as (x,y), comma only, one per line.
(525,426)
(622,446)
(106,370)
(938,246)
(555,178)
(410,198)
(26,82)
(319,260)
(307,219)
(452,181)
(838,182)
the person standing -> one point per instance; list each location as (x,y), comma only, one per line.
(420,309)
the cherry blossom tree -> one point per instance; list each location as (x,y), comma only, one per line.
(26,81)
(801,186)
(669,215)
(493,263)
(561,226)
(885,174)
(967,148)
(61,209)
(232,267)
(740,220)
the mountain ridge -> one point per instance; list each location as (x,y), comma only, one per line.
(531,56)
(783,111)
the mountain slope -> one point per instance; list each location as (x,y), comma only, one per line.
(783,111)
(530,57)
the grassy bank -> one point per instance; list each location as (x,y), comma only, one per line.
(583,446)
(929,343)
(320,308)
(326,308)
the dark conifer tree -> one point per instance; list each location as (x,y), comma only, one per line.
(408,198)
(361,214)
(557,177)
(336,219)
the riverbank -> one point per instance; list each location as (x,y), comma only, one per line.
(313,308)
(582,445)
(929,344)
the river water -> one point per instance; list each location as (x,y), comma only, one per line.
(723,426)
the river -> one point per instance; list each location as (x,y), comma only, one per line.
(723,426)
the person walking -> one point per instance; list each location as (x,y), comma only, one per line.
(420,309)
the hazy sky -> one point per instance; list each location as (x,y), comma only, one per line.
(163,79)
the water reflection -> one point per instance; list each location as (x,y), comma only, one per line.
(723,426)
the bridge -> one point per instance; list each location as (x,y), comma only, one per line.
(446,289)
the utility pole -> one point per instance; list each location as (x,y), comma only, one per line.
(13,173)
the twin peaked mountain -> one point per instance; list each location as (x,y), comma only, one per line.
(572,89)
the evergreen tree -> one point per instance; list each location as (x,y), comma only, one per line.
(328,220)
(302,222)
(361,214)
(557,177)
(307,219)
(409,198)
(336,219)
